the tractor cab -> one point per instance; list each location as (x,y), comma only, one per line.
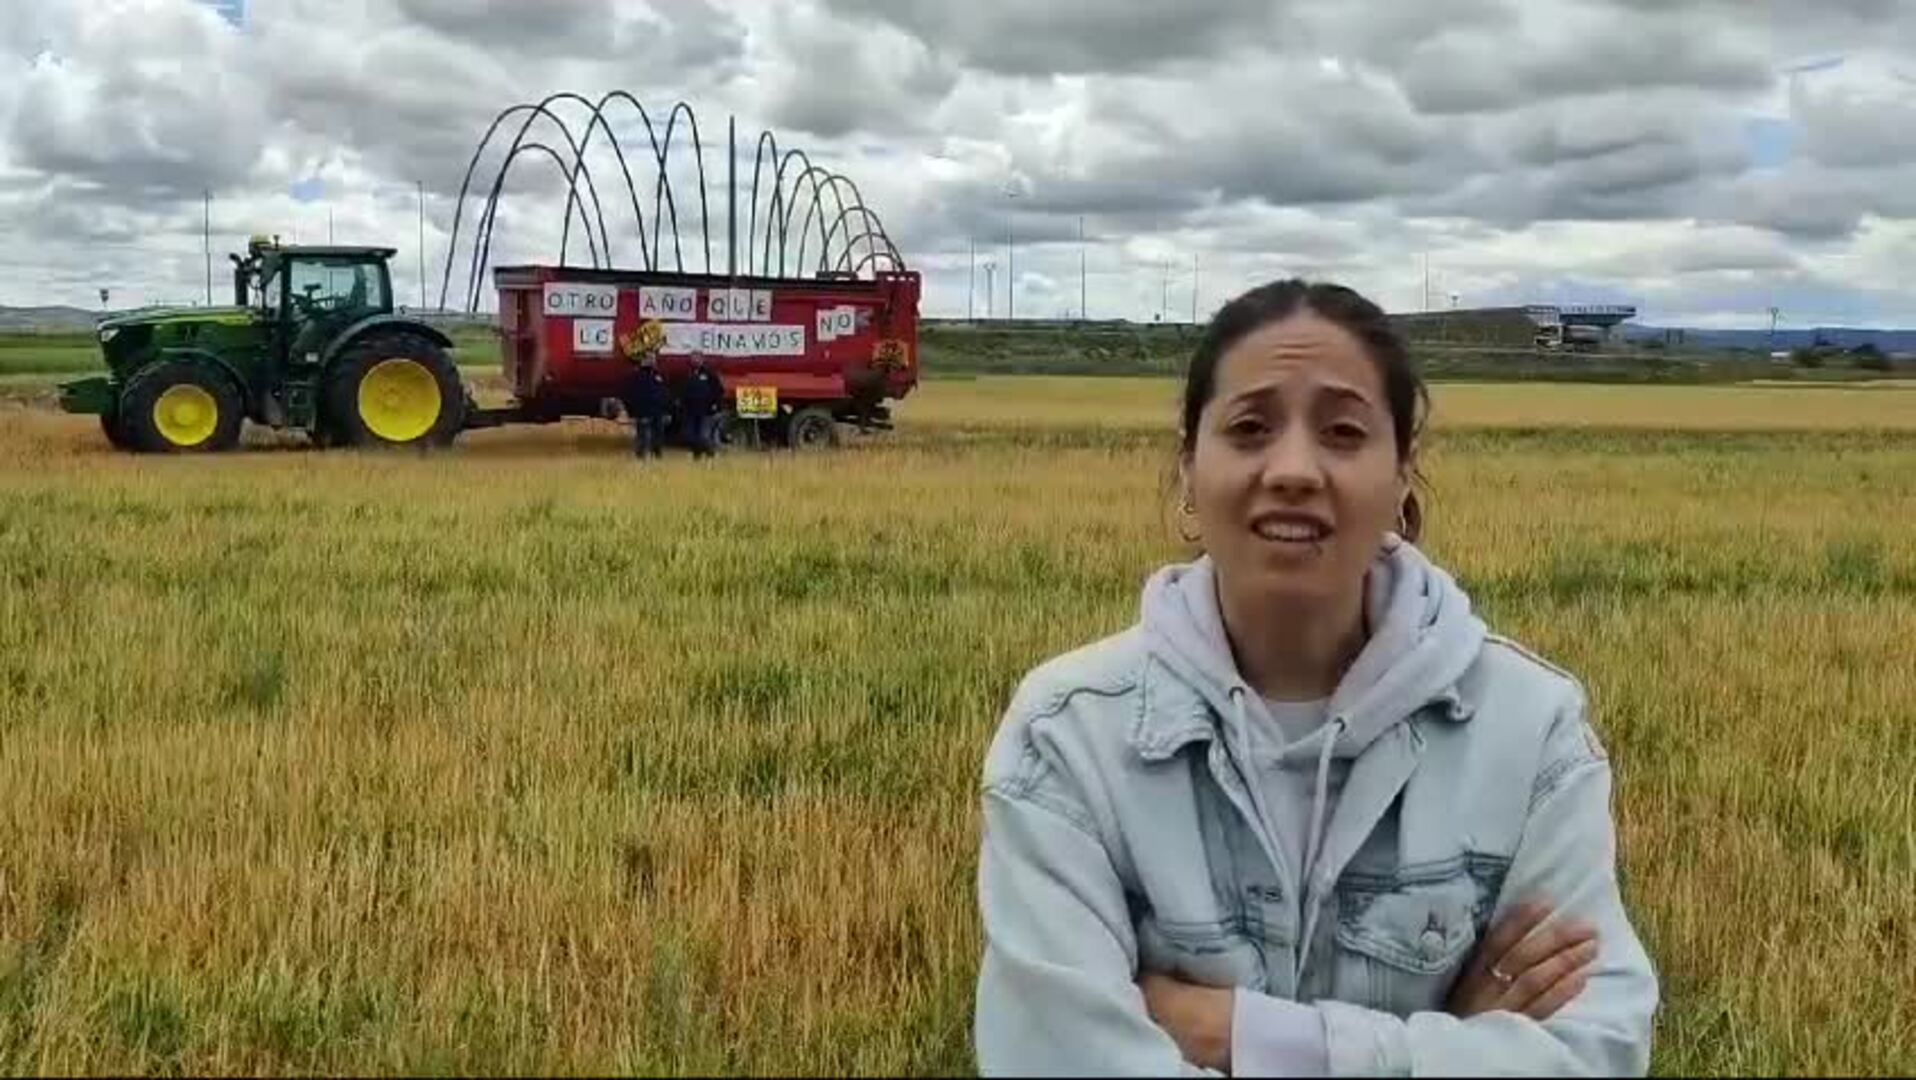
(307,295)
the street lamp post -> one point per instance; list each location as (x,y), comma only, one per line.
(1011,257)
(971,285)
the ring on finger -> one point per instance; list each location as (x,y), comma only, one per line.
(1502,978)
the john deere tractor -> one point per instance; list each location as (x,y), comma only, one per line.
(311,344)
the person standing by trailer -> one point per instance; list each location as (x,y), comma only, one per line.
(702,398)
(648,400)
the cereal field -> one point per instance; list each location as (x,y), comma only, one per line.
(526,758)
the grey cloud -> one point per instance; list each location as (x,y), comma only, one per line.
(1845,131)
(1717,253)
(571,28)
(140,131)
(694,35)
(412,105)
(833,78)
(1457,72)
(1385,32)
(1112,197)
(1296,133)
(1318,238)
(1358,140)
(1812,202)
(1066,36)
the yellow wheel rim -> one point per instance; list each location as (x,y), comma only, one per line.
(186,415)
(399,400)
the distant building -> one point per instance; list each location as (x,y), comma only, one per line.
(1534,326)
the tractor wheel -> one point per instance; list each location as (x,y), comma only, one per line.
(180,408)
(813,428)
(115,434)
(394,390)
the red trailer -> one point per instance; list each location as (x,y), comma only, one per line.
(797,355)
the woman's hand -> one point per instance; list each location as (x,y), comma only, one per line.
(1515,970)
(1198,1018)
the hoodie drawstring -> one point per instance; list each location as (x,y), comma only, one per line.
(1314,839)
(1328,735)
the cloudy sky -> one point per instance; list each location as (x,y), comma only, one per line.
(1705,159)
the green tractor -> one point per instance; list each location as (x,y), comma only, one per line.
(311,344)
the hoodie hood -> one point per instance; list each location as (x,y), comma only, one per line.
(1424,637)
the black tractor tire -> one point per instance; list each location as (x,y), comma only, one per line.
(115,434)
(812,428)
(411,421)
(140,424)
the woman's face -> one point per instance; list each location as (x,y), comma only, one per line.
(1294,471)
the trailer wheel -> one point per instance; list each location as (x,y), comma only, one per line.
(178,407)
(813,428)
(394,390)
(735,432)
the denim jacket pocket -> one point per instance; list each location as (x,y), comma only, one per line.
(1207,954)
(1401,945)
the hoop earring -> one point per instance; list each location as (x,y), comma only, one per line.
(1187,511)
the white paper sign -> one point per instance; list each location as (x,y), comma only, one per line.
(838,322)
(592,335)
(668,304)
(733,340)
(738,305)
(570,300)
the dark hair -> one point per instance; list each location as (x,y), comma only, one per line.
(1404,388)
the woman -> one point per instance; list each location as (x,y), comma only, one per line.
(1308,817)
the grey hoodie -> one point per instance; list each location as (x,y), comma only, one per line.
(1424,638)
(1127,829)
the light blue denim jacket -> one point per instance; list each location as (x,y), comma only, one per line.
(1123,834)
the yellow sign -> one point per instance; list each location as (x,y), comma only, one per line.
(892,355)
(758,402)
(646,340)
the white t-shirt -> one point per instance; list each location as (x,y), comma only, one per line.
(1287,788)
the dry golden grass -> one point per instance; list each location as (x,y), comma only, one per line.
(528,758)
(1119,403)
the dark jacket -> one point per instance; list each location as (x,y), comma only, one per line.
(646,393)
(704,392)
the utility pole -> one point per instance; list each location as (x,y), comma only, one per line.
(1011,254)
(1426,281)
(731,187)
(1011,269)
(1775,313)
(1084,310)
(206,239)
(1194,289)
(1164,301)
(329,225)
(971,285)
(991,290)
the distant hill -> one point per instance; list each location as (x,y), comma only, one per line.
(1890,341)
